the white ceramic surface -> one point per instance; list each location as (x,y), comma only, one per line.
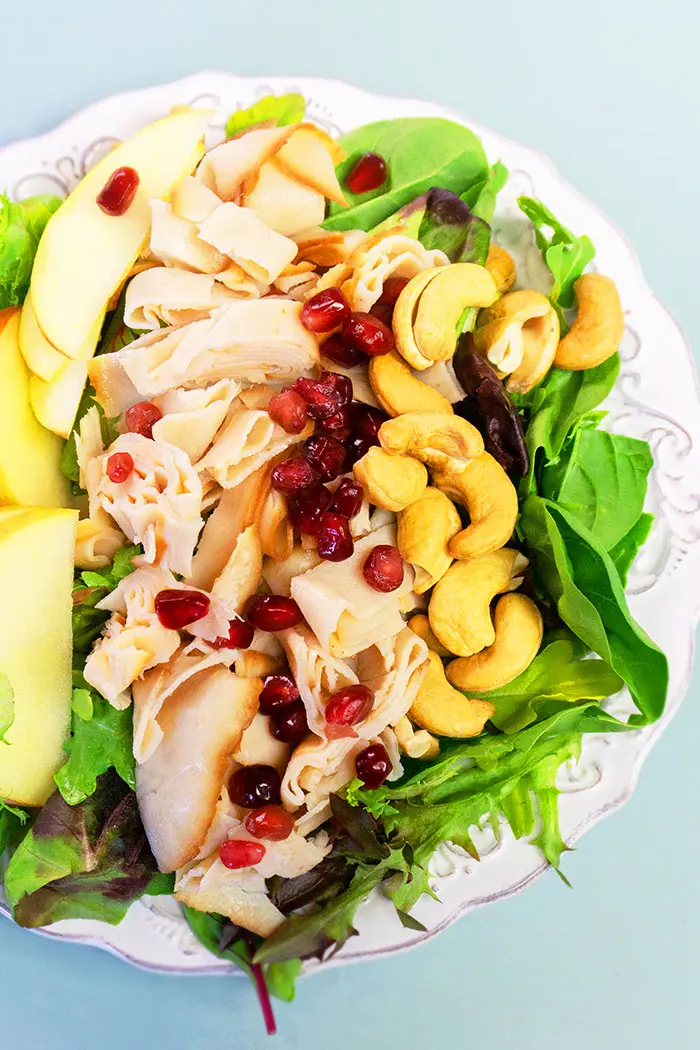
(656,398)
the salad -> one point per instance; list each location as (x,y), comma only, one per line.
(313,546)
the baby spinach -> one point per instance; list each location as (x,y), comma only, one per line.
(580,577)
(601,479)
(420,152)
(450,225)
(565,254)
(282,109)
(625,551)
(481,197)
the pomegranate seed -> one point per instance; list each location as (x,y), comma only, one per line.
(340,353)
(117,194)
(290,726)
(119,467)
(293,474)
(368,334)
(393,286)
(335,542)
(338,426)
(367,174)
(141,417)
(321,402)
(270,822)
(325,311)
(384,312)
(240,636)
(355,449)
(288,410)
(176,609)
(239,853)
(326,455)
(347,498)
(278,691)
(350,706)
(365,421)
(383,568)
(339,384)
(273,613)
(373,766)
(251,787)
(306,508)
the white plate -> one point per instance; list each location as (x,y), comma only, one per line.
(656,398)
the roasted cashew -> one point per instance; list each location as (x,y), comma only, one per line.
(441,441)
(416,745)
(425,530)
(459,611)
(489,495)
(397,390)
(390,482)
(518,626)
(441,709)
(429,307)
(598,327)
(519,336)
(420,625)
(501,266)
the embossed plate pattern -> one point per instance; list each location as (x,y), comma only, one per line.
(656,398)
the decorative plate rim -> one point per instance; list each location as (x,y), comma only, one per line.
(205,83)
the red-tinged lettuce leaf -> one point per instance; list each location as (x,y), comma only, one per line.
(450,225)
(488,407)
(89,861)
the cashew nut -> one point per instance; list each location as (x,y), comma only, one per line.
(501,266)
(598,327)
(429,307)
(441,441)
(489,495)
(425,530)
(420,625)
(251,663)
(518,626)
(416,745)
(519,336)
(397,390)
(390,481)
(441,709)
(459,611)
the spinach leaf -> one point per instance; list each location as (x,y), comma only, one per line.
(565,254)
(581,579)
(450,225)
(21,226)
(282,109)
(96,744)
(421,152)
(12,822)
(83,862)
(481,197)
(69,457)
(600,479)
(625,551)
(7,706)
(556,676)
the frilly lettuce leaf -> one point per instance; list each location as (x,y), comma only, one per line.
(7,706)
(283,109)
(21,226)
(12,822)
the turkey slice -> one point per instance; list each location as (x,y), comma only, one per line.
(240,577)
(242,236)
(191,418)
(192,200)
(248,441)
(178,788)
(225,168)
(327,247)
(276,530)
(283,203)
(171,296)
(97,541)
(134,639)
(240,895)
(297,281)
(386,255)
(393,670)
(259,747)
(343,611)
(278,575)
(318,673)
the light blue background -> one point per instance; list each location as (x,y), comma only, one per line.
(610,92)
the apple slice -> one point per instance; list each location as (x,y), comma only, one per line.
(36,568)
(43,359)
(55,404)
(84,254)
(30,456)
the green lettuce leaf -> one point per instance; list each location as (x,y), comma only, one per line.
(12,822)
(579,576)
(7,706)
(21,226)
(97,743)
(481,197)
(89,861)
(283,109)
(625,550)
(565,254)
(556,676)
(87,620)
(421,152)
(69,457)
(450,225)
(600,479)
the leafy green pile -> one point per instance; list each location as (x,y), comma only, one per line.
(21,226)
